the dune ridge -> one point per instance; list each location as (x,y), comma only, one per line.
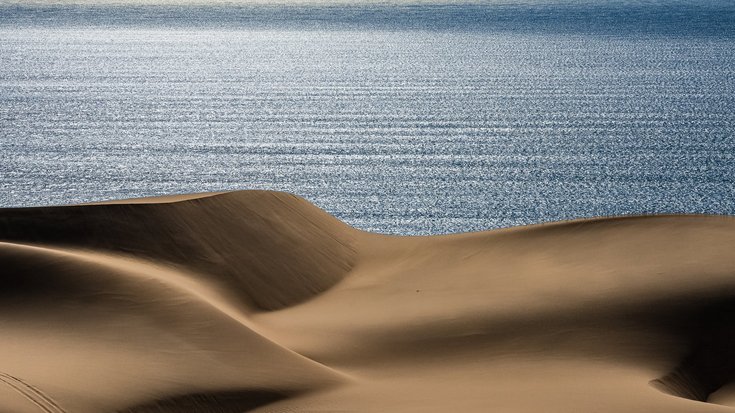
(285,235)
(260,301)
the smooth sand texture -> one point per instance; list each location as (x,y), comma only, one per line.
(259,301)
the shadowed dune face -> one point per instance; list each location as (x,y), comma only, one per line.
(216,402)
(126,332)
(709,363)
(271,249)
(258,301)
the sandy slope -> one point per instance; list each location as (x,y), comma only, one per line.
(260,301)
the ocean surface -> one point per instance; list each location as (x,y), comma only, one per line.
(409,119)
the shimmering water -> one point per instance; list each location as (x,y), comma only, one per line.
(400,119)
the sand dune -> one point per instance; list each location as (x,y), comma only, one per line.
(240,239)
(259,301)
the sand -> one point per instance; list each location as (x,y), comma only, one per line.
(259,301)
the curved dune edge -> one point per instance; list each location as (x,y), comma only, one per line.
(139,328)
(241,239)
(259,301)
(164,199)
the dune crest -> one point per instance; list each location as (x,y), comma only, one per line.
(259,301)
(273,249)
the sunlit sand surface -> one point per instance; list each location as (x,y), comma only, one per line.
(260,301)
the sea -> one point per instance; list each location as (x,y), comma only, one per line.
(399,118)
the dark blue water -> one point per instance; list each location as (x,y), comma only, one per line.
(402,119)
